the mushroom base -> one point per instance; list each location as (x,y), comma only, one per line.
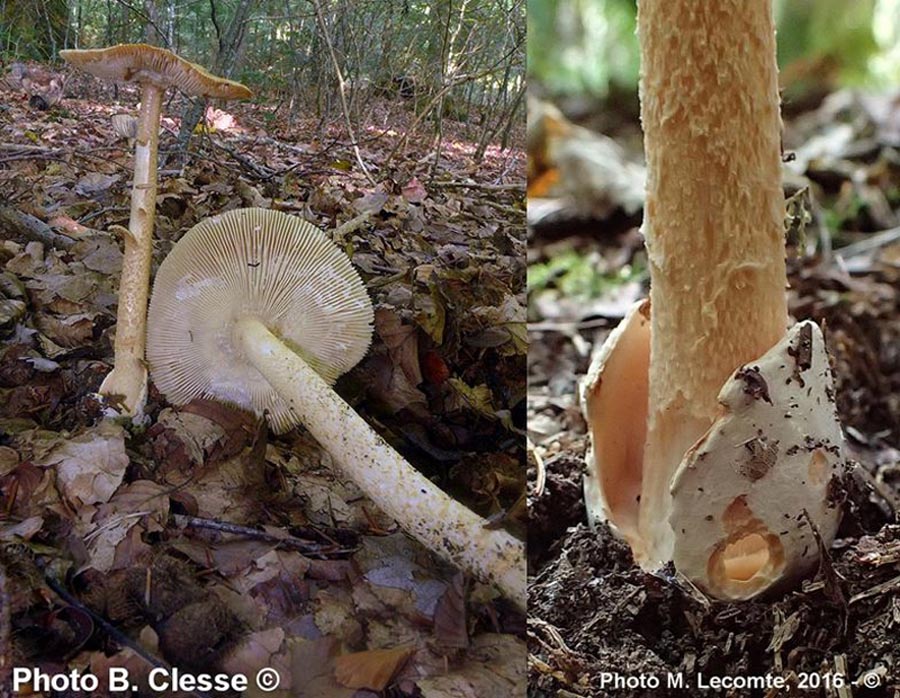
(125,389)
(743,510)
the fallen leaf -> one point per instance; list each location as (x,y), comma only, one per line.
(476,398)
(413,191)
(89,467)
(372,669)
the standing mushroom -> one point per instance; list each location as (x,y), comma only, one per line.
(262,310)
(156,70)
(715,440)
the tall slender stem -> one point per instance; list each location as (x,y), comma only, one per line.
(129,375)
(713,219)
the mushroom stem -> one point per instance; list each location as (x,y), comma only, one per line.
(713,222)
(422,509)
(128,378)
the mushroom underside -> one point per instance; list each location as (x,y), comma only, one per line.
(747,496)
(263,310)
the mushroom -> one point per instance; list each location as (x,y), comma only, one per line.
(125,126)
(261,310)
(156,70)
(715,440)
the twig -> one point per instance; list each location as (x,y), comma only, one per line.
(567,327)
(485,187)
(877,590)
(24,148)
(108,209)
(35,155)
(113,631)
(341,90)
(871,242)
(259,172)
(351,226)
(14,223)
(303,546)
(508,210)
(541,468)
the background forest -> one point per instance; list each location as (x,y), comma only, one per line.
(458,60)
(588,47)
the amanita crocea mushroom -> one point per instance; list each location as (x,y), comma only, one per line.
(262,310)
(156,70)
(715,440)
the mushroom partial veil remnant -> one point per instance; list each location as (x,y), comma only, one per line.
(715,440)
(262,310)
(156,70)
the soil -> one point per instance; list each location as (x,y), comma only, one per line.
(595,614)
(597,619)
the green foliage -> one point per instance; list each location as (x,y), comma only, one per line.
(470,53)
(589,47)
(575,275)
(32,29)
(582,46)
(836,30)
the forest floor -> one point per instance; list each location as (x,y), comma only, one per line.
(199,540)
(593,613)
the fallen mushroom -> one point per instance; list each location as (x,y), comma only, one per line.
(715,439)
(262,310)
(156,70)
(125,126)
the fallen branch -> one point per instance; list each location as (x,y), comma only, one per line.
(15,224)
(484,187)
(304,546)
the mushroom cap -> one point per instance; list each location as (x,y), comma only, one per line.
(158,66)
(256,263)
(124,125)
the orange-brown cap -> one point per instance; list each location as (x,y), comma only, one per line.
(145,63)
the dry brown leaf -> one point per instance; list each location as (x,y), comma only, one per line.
(414,192)
(495,665)
(116,541)
(450,627)
(23,530)
(258,650)
(372,669)
(312,665)
(70,332)
(90,466)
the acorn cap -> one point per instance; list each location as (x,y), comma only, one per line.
(256,263)
(144,63)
